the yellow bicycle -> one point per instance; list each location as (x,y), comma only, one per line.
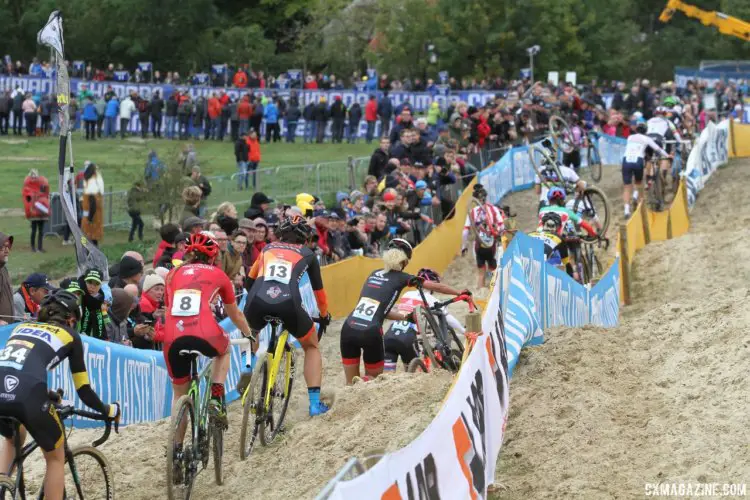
(266,399)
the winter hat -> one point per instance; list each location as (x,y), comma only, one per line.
(162,271)
(129,267)
(169,232)
(151,281)
(389,196)
(420,185)
(122,303)
(341,196)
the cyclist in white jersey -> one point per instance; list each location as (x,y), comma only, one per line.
(400,339)
(633,164)
(661,129)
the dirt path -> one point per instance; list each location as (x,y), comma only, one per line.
(598,413)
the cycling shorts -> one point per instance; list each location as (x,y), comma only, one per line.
(486,257)
(658,139)
(28,402)
(572,159)
(178,365)
(400,343)
(295,319)
(632,170)
(367,342)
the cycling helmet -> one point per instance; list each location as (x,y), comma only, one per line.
(294,229)
(401,244)
(556,193)
(551,221)
(428,274)
(203,243)
(641,128)
(670,101)
(660,110)
(64,298)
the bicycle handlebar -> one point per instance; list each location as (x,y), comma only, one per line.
(68,410)
(464,297)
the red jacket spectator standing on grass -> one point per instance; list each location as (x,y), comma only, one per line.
(239,79)
(223,98)
(35,194)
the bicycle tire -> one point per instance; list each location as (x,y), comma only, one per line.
(533,148)
(590,210)
(416,365)
(266,437)
(184,407)
(101,463)
(218,453)
(425,322)
(559,133)
(253,402)
(457,340)
(595,163)
(7,487)
(656,192)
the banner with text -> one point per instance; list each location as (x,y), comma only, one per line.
(709,153)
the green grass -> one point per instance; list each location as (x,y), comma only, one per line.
(123,161)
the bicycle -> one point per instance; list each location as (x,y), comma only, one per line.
(188,456)
(593,157)
(269,391)
(591,203)
(435,339)
(79,477)
(585,260)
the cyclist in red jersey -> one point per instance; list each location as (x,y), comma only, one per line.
(190,324)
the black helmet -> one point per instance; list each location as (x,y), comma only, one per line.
(641,128)
(294,229)
(551,221)
(428,274)
(401,244)
(64,298)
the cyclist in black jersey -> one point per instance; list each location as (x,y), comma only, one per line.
(362,333)
(32,350)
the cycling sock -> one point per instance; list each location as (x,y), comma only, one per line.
(627,209)
(314,394)
(635,195)
(217,391)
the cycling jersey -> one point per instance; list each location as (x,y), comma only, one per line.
(189,324)
(660,129)
(30,352)
(635,149)
(274,290)
(555,249)
(490,223)
(362,330)
(569,176)
(571,221)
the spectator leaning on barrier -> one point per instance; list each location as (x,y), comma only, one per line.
(6,291)
(116,326)
(27,300)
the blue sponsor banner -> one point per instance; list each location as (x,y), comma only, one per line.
(567,300)
(604,298)
(79,65)
(443,75)
(145,66)
(138,378)
(121,76)
(219,69)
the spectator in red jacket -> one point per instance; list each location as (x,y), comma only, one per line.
(223,98)
(239,79)
(35,195)
(371,117)
(253,153)
(214,115)
(310,82)
(483,130)
(244,112)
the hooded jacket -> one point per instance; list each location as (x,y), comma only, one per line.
(6,291)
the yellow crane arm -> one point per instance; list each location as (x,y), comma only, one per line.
(727,25)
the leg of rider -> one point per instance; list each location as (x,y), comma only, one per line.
(219,371)
(54,479)
(313,365)
(627,192)
(373,355)
(9,451)
(351,371)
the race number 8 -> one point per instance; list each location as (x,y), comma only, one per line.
(186,303)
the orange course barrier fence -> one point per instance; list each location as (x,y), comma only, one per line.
(646,226)
(343,280)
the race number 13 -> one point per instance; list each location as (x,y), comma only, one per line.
(278,270)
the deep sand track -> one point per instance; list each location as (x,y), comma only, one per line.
(665,397)
(594,413)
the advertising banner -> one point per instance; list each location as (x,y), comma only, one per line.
(709,153)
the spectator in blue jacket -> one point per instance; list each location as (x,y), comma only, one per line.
(89,118)
(385,112)
(271,115)
(110,117)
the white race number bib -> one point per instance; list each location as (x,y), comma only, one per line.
(278,270)
(186,302)
(366,309)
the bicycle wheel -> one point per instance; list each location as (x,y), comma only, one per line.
(281,393)
(561,133)
(181,469)
(454,336)
(218,452)
(88,475)
(426,327)
(595,162)
(539,156)
(252,409)
(656,193)
(593,207)
(416,365)
(576,256)
(7,487)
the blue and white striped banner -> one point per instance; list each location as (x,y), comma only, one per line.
(521,318)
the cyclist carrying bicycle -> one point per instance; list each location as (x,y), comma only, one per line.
(633,163)
(489,222)
(556,251)
(550,177)
(190,323)
(33,349)
(274,293)
(401,337)
(362,333)
(571,221)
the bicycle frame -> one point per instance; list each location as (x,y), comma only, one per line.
(196,380)
(276,346)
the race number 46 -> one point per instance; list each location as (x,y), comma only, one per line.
(366,309)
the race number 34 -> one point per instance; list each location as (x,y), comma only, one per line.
(186,302)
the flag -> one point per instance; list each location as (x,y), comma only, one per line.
(52,33)
(145,66)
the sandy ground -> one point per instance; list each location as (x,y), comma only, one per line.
(385,414)
(598,413)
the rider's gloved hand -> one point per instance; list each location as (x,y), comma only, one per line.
(466,292)
(411,317)
(113,411)
(250,336)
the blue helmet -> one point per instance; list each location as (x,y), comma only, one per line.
(556,193)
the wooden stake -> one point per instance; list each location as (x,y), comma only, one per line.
(625,265)
(644,221)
